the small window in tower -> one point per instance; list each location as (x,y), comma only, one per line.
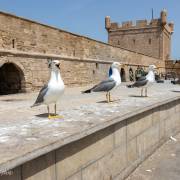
(13,43)
(149,41)
(118,42)
(134,41)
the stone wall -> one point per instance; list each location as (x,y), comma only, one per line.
(173,67)
(24,35)
(111,153)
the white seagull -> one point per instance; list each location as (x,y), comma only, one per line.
(51,92)
(107,85)
(145,81)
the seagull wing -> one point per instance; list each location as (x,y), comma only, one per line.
(142,81)
(105,85)
(40,98)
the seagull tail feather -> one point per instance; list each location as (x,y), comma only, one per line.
(86,91)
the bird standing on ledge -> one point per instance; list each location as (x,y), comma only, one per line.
(51,92)
(145,81)
(113,81)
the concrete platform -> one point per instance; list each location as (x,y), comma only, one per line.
(27,133)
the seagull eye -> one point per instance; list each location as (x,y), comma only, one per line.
(58,65)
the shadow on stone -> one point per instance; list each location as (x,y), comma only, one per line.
(138,96)
(116,100)
(175,91)
(44,115)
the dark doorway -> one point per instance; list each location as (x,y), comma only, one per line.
(11,79)
(123,75)
(131,75)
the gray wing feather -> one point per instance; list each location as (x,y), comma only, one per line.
(41,95)
(141,82)
(105,85)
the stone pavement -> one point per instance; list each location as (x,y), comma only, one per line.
(164,164)
(26,133)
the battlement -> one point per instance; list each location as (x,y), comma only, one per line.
(150,37)
(162,21)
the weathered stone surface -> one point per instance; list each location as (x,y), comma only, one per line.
(147,139)
(120,133)
(42,168)
(138,124)
(86,133)
(81,153)
(14,174)
(76,176)
(107,167)
(132,153)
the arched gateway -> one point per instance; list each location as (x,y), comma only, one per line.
(11,79)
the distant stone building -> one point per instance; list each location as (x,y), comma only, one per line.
(149,38)
(140,46)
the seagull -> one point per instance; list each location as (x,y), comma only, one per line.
(51,92)
(107,85)
(145,81)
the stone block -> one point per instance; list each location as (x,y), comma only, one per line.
(155,116)
(120,133)
(147,140)
(138,124)
(162,129)
(163,112)
(71,158)
(42,168)
(14,174)
(132,154)
(107,167)
(76,176)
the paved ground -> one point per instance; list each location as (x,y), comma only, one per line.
(28,132)
(164,164)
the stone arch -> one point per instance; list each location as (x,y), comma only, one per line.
(12,79)
(131,74)
(123,75)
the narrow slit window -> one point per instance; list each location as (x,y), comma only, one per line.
(134,41)
(149,41)
(13,43)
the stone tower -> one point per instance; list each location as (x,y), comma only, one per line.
(149,38)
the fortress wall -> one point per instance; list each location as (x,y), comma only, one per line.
(112,152)
(24,35)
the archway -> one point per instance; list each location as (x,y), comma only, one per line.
(11,79)
(131,75)
(123,75)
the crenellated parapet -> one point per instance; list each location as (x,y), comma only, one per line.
(150,37)
(161,22)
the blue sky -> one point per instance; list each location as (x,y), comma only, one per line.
(86,17)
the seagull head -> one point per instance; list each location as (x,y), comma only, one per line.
(54,65)
(152,67)
(115,65)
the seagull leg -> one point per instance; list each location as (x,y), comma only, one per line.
(110,100)
(146,91)
(49,116)
(55,115)
(107,97)
(55,109)
(141,92)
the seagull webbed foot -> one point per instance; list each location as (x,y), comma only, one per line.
(56,116)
